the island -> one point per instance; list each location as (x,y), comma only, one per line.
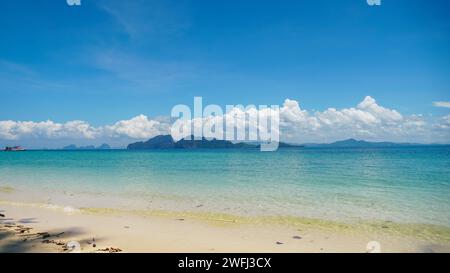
(90,147)
(167,142)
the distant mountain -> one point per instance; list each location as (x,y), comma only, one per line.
(167,142)
(104,147)
(214,143)
(353,143)
(158,142)
(74,147)
(90,147)
(70,147)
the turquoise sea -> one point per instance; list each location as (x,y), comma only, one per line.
(405,185)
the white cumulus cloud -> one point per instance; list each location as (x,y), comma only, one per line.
(367,120)
(444,104)
(139,127)
(47,129)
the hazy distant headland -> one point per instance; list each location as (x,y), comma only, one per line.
(353,143)
(90,147)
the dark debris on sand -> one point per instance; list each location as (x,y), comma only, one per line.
(110,249)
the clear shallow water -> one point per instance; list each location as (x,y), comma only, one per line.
(409,185)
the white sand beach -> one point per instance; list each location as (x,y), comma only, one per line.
(34,228)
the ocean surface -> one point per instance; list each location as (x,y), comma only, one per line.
(405,185)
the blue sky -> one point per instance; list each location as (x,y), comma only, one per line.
(112,60)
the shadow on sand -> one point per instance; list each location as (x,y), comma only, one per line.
(15,237)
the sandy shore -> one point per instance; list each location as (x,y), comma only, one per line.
(32,228)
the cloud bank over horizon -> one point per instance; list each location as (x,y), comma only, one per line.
(367,120)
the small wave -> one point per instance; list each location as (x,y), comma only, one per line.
(66,209)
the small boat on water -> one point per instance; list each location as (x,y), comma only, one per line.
(14,149)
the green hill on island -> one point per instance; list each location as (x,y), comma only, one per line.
(167,142)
